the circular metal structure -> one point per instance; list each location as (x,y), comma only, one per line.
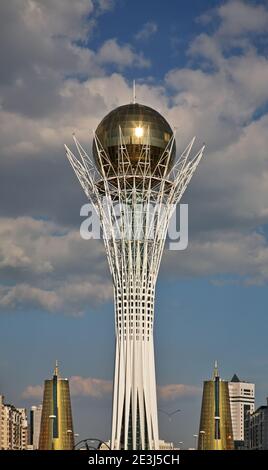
(141,127)
(91,444)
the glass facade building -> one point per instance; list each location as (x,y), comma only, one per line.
(215,432)
(56,431)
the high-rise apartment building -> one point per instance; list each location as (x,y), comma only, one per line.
(34,426)
(242,401)
(256,429)
(13,427)
(56,432)
(215,432)
(23,428)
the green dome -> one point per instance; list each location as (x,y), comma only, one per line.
(134,120)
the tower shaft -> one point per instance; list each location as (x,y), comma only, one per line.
(134,422)
(134,249)
(134,198)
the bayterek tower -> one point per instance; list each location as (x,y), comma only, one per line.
(134,180)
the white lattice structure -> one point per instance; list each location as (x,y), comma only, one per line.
(145,199)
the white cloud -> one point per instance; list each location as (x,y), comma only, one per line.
(122,55)
(25,295)
(88,386)
(79,387)
(227,195)
(105,5)
(33,391)
(47,267)
(173,391)
(243,257)
(39,39)
(48,41)
(63,17)
(70,297)
(99,388)
(241,17)
(148,30)
(44,246)
(237,18)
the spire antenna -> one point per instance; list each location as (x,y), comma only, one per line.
(134,91)
(56,370)
(216,370)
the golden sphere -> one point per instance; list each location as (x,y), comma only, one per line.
(135,120)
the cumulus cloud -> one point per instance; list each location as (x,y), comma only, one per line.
(44,266)
(173,391)
(237,18)
(68,298)
(122,55)
(99,388)
(33,391)
(244,257)
(105,5)
(240,17)
(239,22)
(33,158)
(88,386)
(38,246)
(46,42)
(79,387)
(43,262)
(39,38)
(148,30)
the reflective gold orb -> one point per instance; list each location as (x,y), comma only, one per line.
(135,120)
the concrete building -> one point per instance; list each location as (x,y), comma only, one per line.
(23,428)
(242,401)
(34,426)
(13,427)
(164,445)
(256,429)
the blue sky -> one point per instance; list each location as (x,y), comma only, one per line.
(204,65)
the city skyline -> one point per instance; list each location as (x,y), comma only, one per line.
(205,69)
(240,391)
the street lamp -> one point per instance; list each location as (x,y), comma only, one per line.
(169,414)
(202,439)
(69,432)
(195,440)
(52,417)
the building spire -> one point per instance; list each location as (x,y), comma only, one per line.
(134,92)
(216,370)
(56,370)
